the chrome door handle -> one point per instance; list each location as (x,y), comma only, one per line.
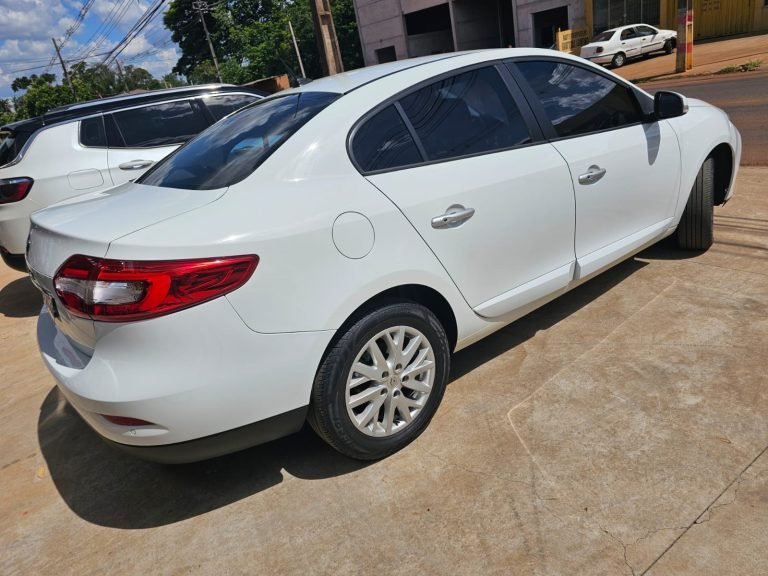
(455,216)
(135,164)
(592,175)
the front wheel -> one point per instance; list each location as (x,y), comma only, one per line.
(381,382)
(696,228)
(668,47)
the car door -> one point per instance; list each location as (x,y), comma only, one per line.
(650,38)
(625,169)
(630,43)
(461,158)
(138,137)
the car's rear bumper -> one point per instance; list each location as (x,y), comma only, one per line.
(219,444)
(195,374)
(14,225)
(15,261)
(600,58)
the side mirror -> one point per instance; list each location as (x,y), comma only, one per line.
(669,105)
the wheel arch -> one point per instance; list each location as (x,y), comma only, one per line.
(417,293)
(722,154)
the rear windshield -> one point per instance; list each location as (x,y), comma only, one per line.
(604,36)
(233,148)
(10,145)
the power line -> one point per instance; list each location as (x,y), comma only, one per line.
(135,30)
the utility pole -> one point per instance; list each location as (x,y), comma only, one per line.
(684,35)
(122,76)
(325,33)
(63,67)
(296,46)
(202,6)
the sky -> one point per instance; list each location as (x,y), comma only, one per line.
(29,25)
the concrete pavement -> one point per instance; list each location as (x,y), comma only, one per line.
(619,430)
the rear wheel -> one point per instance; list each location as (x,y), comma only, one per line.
(382,382)
(696,228)
(619,59)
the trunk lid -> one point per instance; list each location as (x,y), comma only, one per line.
(87,225)
(590,50)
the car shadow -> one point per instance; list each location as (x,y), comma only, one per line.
(20,299)
(108,488)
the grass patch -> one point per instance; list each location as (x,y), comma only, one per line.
(746,67)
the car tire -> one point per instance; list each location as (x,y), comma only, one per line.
(619,59)
(696,228)
(371,414)
(668,47)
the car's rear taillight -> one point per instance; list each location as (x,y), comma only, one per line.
(14,189)
(122,290)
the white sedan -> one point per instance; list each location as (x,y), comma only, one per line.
(617,45)
(321,254)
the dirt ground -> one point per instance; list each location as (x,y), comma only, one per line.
(619,430)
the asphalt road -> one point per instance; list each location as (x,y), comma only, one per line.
(744,96)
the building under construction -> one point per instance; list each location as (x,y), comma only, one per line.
(396,29)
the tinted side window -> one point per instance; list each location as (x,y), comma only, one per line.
(232,149)
(224,104)
(160,124)
(92,132)
(645,31)
(579,101)
(384,142)
(465,114)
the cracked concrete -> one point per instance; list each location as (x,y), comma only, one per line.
(619,430)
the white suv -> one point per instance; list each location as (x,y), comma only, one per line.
(95,145)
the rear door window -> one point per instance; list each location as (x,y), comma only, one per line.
(232,149)
(383,142)
(159,124)
(222,105)
(466,114)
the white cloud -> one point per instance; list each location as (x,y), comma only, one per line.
(29,25)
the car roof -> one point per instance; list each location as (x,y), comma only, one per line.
(81,109)
(348,81)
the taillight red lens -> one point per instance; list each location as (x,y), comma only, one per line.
(122,290)
(14,189)
(126,421)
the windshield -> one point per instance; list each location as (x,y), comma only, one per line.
(604,36)
(233,148)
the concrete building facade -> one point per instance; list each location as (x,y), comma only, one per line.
(397,29)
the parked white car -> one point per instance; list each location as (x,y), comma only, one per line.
(95,145)
(618,45)
(321,253)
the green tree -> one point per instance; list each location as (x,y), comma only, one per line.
(203,73)
(172,80)
(187,32)
(252,39)
(139,79)
(101,79)
(6,112)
